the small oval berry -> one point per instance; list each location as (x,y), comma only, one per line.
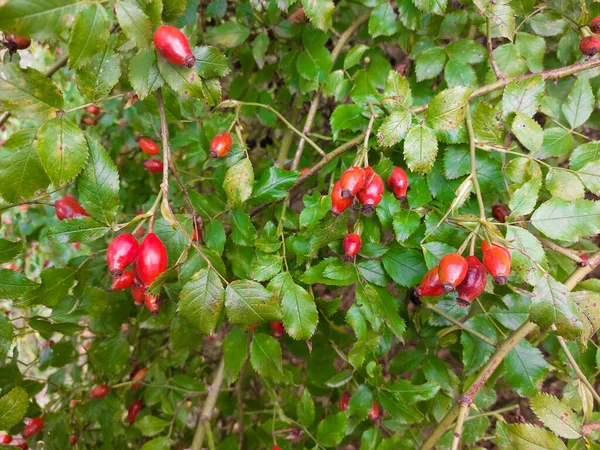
(339,204)
(344,401)
(100,391)
(498,263)
(485,247)
(278,329)
(153,165)
(374,412)
(33,427)
(15,42)
(372,193)
(431,286)
(137,292)
(276,447)
(453,270)
(5,439)
(595,25)
(351,245)
(589,45)
(153,303)
(93,109)
(68,208)
(89,121)
(473,284)
(73,439)
(149,147)
(173,46)
(352,181)
(123,282)
(134,410)
(398,183)
(500,213)
(121,252)
(152,259)
(138,378)
(220,145)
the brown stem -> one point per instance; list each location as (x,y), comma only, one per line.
(563,251)
(490,49)
(209,406)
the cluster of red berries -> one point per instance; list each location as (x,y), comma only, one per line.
(149,261)
(90,121)
(34,426)
(590,45)
(149,147)
(466,275)
(345,401)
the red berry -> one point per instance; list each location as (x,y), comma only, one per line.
(14,42)
(148,146)
(276,447)
(173,46)
(485,247)
(100,391)
(139,377)
(595,25)
(589,45)
(278,329)
(372,193)
(497,260)
(352,181)
(89,121)
(68,208)
(93,109)
(21,444)
(473,284)
(153,303)
(152,259)
(5,439)
(137,292)
(351,245)
(431,286)
(374,412)
(398,183)
(73,439)
(220,145)
(33,427)
(344,400)
(153,165)
(339,204)
(134,410)
(123,282)
(73,403)
(453,270)
(121,252)
(500,213)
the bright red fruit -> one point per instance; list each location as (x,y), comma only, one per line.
(137,292)
(497,261)
(595,25)
(339,204)
(123,282)
(89,121)
(68,208)
(374,413)
(485,247)
(500,213)
(344,400)
(139,377)
(73,439)
(278,329)
(398,183)
(276,447)
(351,245)
(153,165)
(453,270)
(93,109)
(173,46)
(14,42)
(431,286)
(152,259)
(372,193)
(220,145)
(148,146)
(153,303)
(121,252)
(134,410)
(473,284)
(100,391)
(33,427)
(589,45)
(352,181)
(5,439)
(21,444)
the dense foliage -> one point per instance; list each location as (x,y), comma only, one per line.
(187,262)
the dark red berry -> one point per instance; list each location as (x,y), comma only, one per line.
(100,391)
(134,410)
(453,270)
(153,165)
(589,45)
(339,204)
(121,252)
(344,400)
(5,439)
(173,46)
(73,439)
(123,282)
(351,245)
(473,284)
(497,261)
(500,213)
(374,412)
(398,183)
(220,145)
(278,329)
(595,25)
(14,42)
(372,193)
(153,303)
(137,292)
(33,427)
(149,147)
(431,286)
(152,259)
(68,208)
(352,181)
(93,109)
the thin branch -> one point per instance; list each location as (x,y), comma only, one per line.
(576,367)
(209,406)
(474,163)
(495,67)
(571,254)
(462,415)
(462,326)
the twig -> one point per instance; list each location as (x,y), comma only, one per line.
(461,325)
(462,415)
(209,405)
(563,251)
(474,163)
(576,367)
(288,136)
(495,67)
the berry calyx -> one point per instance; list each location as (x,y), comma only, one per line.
(497,261)
(121,252)
(122,282)
(5,439)
(148,146)
(153,303)
(278,329)
(100,391)
(93,109)
(152,259)
(68,208)
(374,412)
(595,25)
(372,193)
(352,181)
(339,204)
(137,292)
(134,410)
(33,427)
(431,286)
(220,145)
(173,46)
(344,400)
(398,183)
(500,213)
(153,165)
(453,270)
(589,45)
(14,42)
(351,245)
(473,284)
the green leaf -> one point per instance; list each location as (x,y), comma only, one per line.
(110,355)
(394,128)
(389,305)
(210,62)
(430,63)
(21,172)
(135,23)
(320,12)
(487,125)
(556,415)
(420,149)
(150,425)
(79,229)
(143,73)
(412,393)
(230,34)
(567,221)
(564,185)
(56,285)
(201,300)
(332,429)
(305,409)
(382,21)
(274,184)
(360,403)
(523,200)
(590,176)
(10,250)
(13,407)
(475,351)
(27,93)
(340,379)
(405,224)
(523,96)
(315,62)
(248,303)
(459,74)
(533,49)
(89,35)
(528,254)
(187,83)
(331,230)
(528,132)
(347,117)
(588,303)
(580,103)
(525,368)
(557,142)
(405,266)
(265,266)
(354,56)
(14,284)
(235,351)
(266,356)
(373,271)
(397,92)
(173,9)
(466,51)
(159,443)
(585,154)
(242,230)
(40,19)
(315,208)
(399,409)
(259,48)
(6,336)
(527,436)
(336,85)
(363,90)
(447,109)
(509,60)
(503,16)
(238,183)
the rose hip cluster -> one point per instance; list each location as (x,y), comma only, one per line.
(467,276)
(149,261)
(344,403)
(32,427)
(590,45)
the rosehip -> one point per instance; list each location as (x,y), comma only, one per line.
(344,400)
(152,259)
(485,247)
(148,146)
(153,303)
(20,42)
(497,261)
(137,292)
(100,391)
(595,25)
(121,252)
(138,377)
(153,165)
(352,181)
(500,213)
(73,403)
(73,439)
(351,245)
(33,427)
(5,439)
(68,208)
(89,121)
(276,447)
(173,46)
(278,329)
(374,412)
(453,270)
(220,145)
(123,282)
(339,204)
(21,444)
(134,410)
(372,193)
(398,183)
(589,45)
(93,109)
(431,286)
(473,284)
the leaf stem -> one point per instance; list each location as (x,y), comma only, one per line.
(461,325)
(474,163)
